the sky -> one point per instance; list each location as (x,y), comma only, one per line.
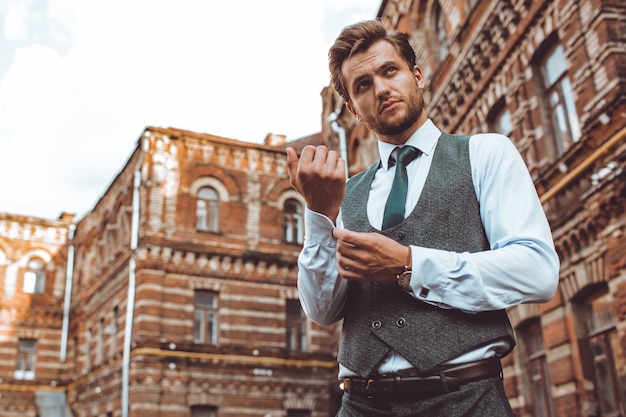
(80,80)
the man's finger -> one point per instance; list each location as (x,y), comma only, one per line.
(346,236)
(292,165)
(312,153)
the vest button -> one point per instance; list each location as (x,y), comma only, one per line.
(376,324)
(400,235)
(401,322)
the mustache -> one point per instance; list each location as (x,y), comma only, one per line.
(383,103)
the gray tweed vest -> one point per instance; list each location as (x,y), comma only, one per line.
(382,317)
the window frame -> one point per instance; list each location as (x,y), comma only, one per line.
(206,318)
(36,284)
(26,359)
(296,327)
(439,32)
(496,115)
(208,216)
(293,222)
(536,368)
(604,333)
(203,411)
(561,115)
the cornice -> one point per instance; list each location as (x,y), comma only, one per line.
(33,231)
(477,60)
(220,266)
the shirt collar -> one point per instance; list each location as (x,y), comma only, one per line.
(425,138)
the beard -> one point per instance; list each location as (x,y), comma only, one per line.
(396,125)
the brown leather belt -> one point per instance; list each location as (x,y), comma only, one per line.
(446,380)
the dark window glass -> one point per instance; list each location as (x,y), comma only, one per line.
(296,326)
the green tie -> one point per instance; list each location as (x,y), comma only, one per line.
(394,209)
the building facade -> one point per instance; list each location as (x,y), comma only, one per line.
(180,292)
(552,76)
(176,295)
(33,320)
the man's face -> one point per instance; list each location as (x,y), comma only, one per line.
(385,93)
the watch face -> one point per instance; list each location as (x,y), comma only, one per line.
(404,280)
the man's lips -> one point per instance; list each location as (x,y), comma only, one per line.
(388,105)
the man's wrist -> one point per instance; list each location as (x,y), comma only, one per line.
(404,278)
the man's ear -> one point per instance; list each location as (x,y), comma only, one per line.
(419,76)
(354,113)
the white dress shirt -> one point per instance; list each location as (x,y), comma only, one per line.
(521,267)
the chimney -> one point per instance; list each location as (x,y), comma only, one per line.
(272,139)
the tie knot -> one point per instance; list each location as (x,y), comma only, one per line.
(406,154)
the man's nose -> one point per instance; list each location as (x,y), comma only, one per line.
(380,87)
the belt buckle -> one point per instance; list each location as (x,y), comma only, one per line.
(369,387)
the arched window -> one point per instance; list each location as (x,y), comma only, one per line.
(293,222)
(34,277)
(207,210)
(440,32)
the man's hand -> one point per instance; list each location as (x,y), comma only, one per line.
(369,257)
(320,177)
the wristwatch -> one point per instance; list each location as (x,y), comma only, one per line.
(404,279)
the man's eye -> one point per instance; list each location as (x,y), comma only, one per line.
(391,70)
(362,85)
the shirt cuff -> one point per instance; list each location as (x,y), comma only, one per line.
(430,270)
(318,228)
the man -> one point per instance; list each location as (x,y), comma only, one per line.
(422,297)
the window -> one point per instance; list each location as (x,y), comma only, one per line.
(112,330)
(537,369)
(76,352)
(87,349)
(294,232)
(100,341)
(606,356)
(205,321)
(440,33)
(34,277)
(298,413)
(207,210)
(471,4)
(25,368)
(296,326)
(203,411)
(560,99)
(500,119)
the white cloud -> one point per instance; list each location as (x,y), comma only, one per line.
(14,25)
(88,77)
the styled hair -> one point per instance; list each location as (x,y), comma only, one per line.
(358,38)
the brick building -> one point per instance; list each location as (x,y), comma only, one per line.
(550,74)
(176,295)
(33,256)
(181,293)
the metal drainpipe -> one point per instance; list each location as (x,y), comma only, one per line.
(69,277)
(332,118)
(130,303)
